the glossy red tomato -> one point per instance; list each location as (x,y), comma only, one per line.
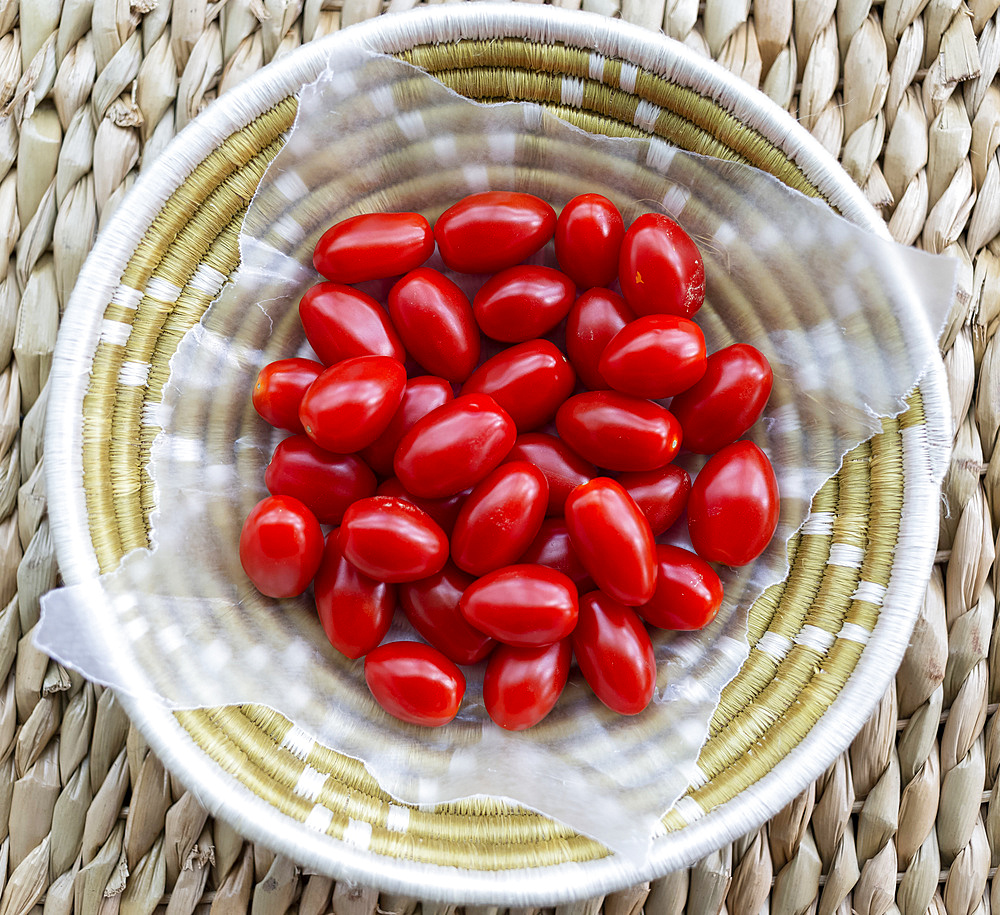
(372,246)
(615,654)
(733,507)
(688,591)
(529,380)
(591,324)
(613,540)
(278,391)
(325,483)
(619,432)
(354,610)
(660,494)
(351,403)
(444,511)
(483,233)
(341,322)
(522,605)
(281,546)
(420,396)
(435,322)
(500,518)
(553,548)
(521,685)
(415,682)
(660,268)
(454,446)
(522,303)
(392,540)
(431,606)
(589,234)
(564,469)
(654,356)
(727,400)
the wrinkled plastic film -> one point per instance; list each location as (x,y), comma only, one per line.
(847,320)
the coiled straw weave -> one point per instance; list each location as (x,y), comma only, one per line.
(905,94)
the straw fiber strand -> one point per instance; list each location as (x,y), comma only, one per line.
(904,92)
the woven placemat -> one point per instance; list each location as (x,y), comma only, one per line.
(905,93)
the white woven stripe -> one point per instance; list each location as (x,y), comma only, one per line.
(358,833)
(170,638)
(445,149)
(699,777)
(152,413)
(476,177)
(675,199)
(659,154)
(819,523)
(725,235)
(298,742)
(412,124)
(289,229)
(162,290)
(854,633)
(627,78)
(133,373)
(310,783)
(115,332)
(571,91)
(208,280)
(319,818)
(595,67)
(398,818)
(869,591)
(689,809)
(813,637)
(846,554)
(382,99)
(646,114)
(291,185)
(137,628)
(775,645)
(503,146)
(127,297)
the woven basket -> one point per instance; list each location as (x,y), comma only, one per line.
(824,645)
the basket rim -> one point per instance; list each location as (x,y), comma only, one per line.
(222,794)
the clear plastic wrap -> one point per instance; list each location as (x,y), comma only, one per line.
(848,321)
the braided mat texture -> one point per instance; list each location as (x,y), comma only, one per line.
(904,92)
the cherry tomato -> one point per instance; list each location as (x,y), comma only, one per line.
(279,389)
(431,606)
(660,494)
(521,303)
(613,540)
(733,507)
(325,483)
(591,324)
(373,246)
(415,682)
(660,268)
(435,321)
(654,356)
(688,591)
(727,400)
(444,511)
(522,605)
(391,540)
(454,446)
(619,432)
(529,380)
(553,548)
(500,518)
(420,396)
(483,233)
(351,403)
(355,610)
(589,234)
(521,685)
(281,546)
(564,469)
(615,654)
(341,322)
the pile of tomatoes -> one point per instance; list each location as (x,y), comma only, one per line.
(505,491)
